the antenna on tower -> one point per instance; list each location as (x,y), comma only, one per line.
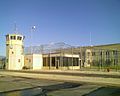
(90,39)
(15,28)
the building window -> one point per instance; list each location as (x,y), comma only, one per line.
(93,53)
(101,53)
(7,38)
(88,54)
(75,61)
(88,61)
(19,38)
(115,52)
(18,60)
(13,37)
(107,53)
(12,52)
(29,60)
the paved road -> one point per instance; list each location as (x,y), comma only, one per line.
(19,86)
(73,73)
(94,78)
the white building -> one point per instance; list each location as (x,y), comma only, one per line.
(33,61)
(14,52)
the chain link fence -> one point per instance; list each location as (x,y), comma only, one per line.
(2,62)
(64,56)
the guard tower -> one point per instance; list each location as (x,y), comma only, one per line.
(14,52)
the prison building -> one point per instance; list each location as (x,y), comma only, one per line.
(105,58)
(61,61)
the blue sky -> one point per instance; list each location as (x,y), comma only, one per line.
(69,21)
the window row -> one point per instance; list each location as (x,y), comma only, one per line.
(107,53)
(14,38)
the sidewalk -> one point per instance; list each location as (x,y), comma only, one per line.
(116,73)
(83,71)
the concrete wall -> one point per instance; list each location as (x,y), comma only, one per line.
(28,61)
(37,61)
(33,61)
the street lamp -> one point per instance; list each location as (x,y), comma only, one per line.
(32,29)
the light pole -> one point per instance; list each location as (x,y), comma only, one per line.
(80,58)
(32,29)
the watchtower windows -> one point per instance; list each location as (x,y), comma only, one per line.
(7,37)
(19,38)
(13,37)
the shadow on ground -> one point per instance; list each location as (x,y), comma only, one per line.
(39,90)
(105,91)
(69,86)
(65,85)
